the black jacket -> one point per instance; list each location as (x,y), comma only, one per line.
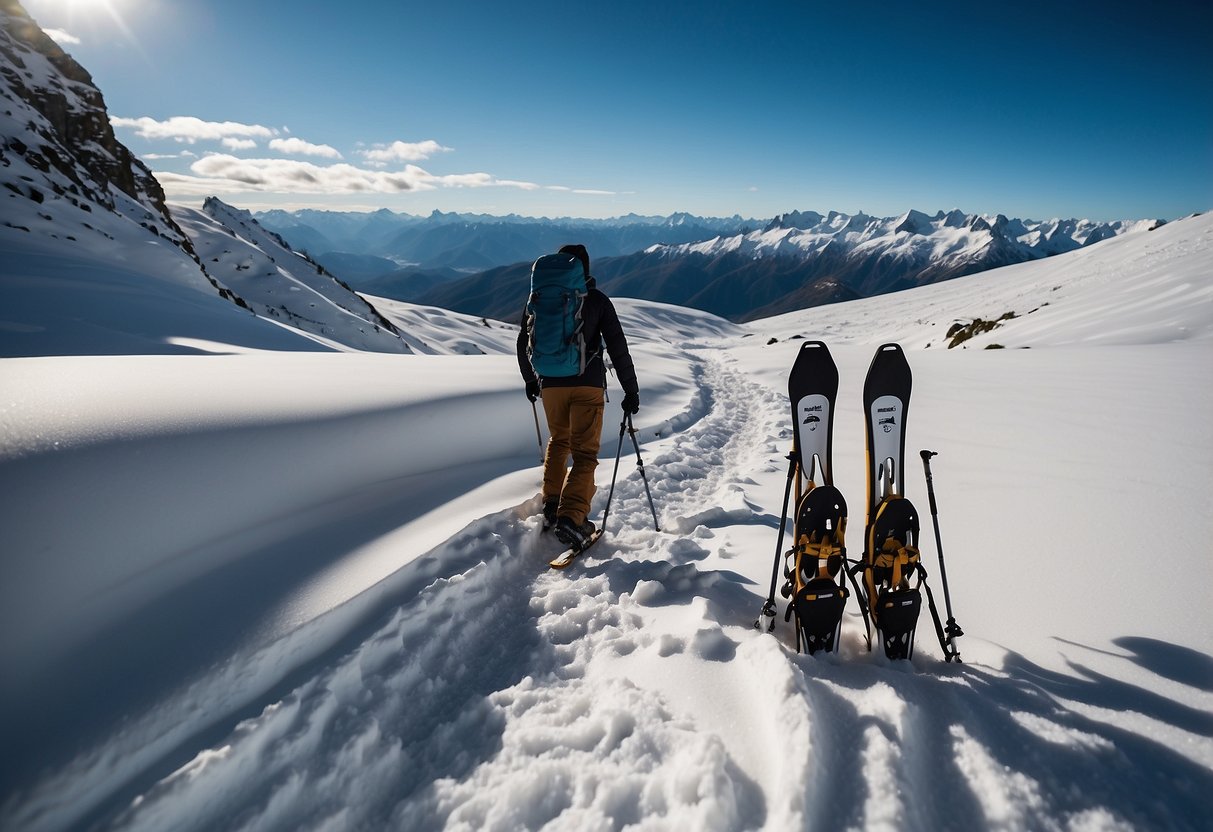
(600,324)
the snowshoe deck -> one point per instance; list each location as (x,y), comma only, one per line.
(812,388)
(886,403)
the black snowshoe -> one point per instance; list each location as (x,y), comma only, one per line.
(815,567)
(893,574)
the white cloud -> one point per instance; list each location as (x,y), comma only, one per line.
(582,191)
(514,183)
(464,180)
(188,129)
(403,151)
(61,37)
(220,173)
(302,148)
(239,144)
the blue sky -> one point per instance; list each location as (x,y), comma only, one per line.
(1101,109)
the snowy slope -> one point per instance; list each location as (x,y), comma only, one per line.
(279,284)
(308,591)
(82,294)
(1147,288)
(92,262)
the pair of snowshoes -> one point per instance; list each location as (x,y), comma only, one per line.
(816,568)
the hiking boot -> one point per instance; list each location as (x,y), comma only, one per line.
(549,512)
(574,534)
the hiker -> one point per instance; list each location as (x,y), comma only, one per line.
(573,383)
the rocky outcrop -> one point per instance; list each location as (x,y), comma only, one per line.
(75,137)
(56,138)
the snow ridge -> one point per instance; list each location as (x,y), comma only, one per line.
(278,283)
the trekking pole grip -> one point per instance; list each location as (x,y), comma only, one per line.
(926,466)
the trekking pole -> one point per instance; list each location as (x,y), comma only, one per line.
(769,609)
(538,435)
(606,512)
(640,465)
(952,629)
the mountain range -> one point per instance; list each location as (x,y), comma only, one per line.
(476,242)
(737,268)
(800,260)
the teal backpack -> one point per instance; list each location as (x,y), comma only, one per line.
(558,289)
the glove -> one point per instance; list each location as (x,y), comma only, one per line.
(631,402)
(532,390)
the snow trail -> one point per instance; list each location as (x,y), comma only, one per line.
(509,652)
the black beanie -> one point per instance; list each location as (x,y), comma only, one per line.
(578,251)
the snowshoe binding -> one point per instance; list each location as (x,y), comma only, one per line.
(893,559)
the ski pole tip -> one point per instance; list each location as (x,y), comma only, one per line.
(925,454)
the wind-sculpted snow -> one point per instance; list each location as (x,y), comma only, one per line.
(345,618)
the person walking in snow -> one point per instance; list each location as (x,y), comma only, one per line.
(573,398)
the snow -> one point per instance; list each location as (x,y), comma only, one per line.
(942,240)
(277,282)
(283,590)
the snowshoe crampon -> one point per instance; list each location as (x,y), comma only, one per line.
(896,621)
(818,609)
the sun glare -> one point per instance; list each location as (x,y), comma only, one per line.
(79,8)
(72,15)
(77,5)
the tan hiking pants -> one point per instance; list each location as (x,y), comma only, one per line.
(575,424)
